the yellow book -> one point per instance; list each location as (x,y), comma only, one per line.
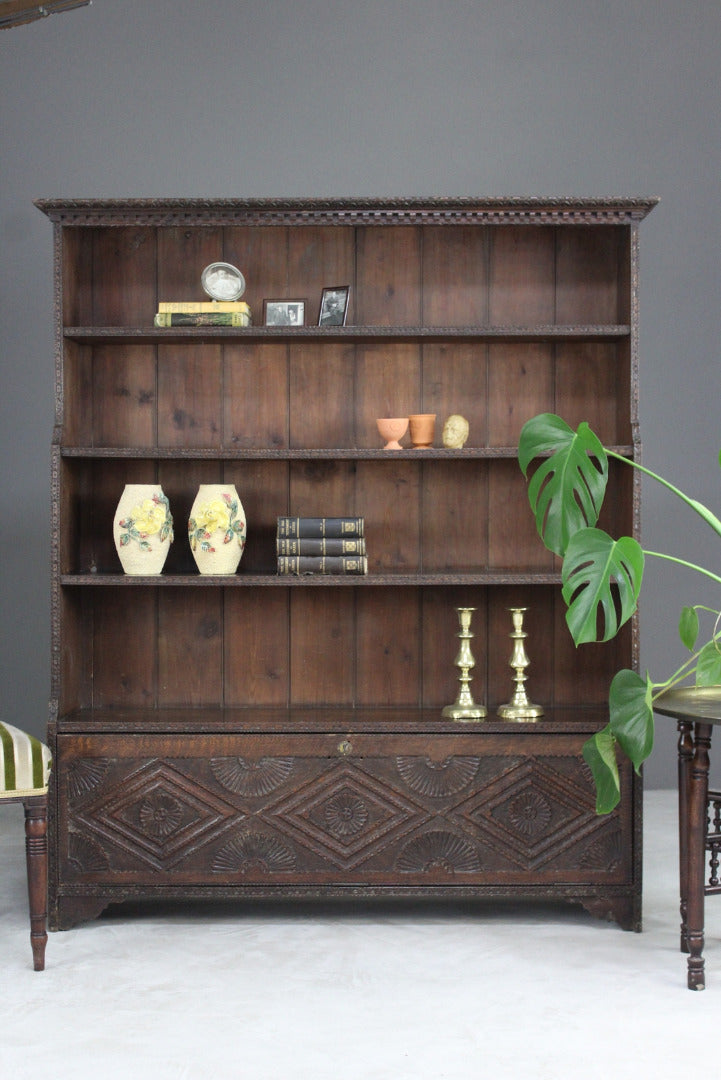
(200,307)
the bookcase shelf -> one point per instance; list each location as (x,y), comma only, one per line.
(145,335)
(266,735)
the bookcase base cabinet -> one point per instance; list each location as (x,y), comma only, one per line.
(480,814)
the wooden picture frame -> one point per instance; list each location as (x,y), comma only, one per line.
(284,312)
(334,305)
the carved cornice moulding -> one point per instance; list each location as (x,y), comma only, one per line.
(339,212)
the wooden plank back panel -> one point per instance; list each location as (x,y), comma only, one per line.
(124,276)
(125,647)
(540,644)
(387,495)
(255,396)
(388,384)
(522,271)
(261,254)
(587,388)
(587,275)
(454,516)
(388,290)
(439,637)
(190,396)
(388,646)
(454,381)
(320,257)
(321,389)
(183,254)
(455,276)
(512,537)
(124,396)
(520,384)
(263,489)
(256,647)
(322,646)
(190,647)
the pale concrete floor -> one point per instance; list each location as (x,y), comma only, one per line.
(202,992)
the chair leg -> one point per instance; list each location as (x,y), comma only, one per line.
(36,850)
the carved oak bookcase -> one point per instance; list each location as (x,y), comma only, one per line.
(258,736)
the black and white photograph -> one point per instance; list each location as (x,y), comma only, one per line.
(334,306)
(284,312)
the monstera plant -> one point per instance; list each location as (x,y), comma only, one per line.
(601,581)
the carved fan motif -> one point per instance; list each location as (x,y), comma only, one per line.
(437,779)
(603,854)
(84,776)
(254,851)
(439,851)
(251,777)
(86,856)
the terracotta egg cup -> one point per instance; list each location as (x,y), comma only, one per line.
(392,429)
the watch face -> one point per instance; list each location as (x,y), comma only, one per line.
(221,281)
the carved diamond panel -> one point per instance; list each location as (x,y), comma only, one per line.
(346,815)
(157,814)
(531,812)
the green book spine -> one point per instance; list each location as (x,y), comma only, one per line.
(220,318)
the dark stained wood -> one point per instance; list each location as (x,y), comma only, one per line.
(522,277)
(190,396)
(290,730)
(521,384)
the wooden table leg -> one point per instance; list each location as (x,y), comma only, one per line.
(685,761)
(697,800)
(36,850)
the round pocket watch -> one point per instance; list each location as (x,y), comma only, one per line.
(222,281)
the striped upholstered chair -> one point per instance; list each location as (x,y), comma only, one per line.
(24,773)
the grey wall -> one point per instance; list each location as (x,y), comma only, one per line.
(397,97)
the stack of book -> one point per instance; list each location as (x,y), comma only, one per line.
(203,313)
(329,545)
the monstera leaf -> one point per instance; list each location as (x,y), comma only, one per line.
(567,488)
(601,582)
(631,728)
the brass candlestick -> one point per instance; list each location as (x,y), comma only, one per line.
(464,707)
(519,707)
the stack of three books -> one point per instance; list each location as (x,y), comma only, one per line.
(326,545)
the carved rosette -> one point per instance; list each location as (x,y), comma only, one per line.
(253,851)
(346,813)
(529,813)
(251,778)
(437,779)
(160,815)
(439,850)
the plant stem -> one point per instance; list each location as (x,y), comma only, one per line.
(684,671)
(695,505)
(683,562)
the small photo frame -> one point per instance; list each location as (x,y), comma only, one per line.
(334,306)
(284,312)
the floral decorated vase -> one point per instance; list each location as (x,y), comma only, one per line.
(143,529)
(216,529)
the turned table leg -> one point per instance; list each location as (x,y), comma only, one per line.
(36,850)
(685,761)
(697,800)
